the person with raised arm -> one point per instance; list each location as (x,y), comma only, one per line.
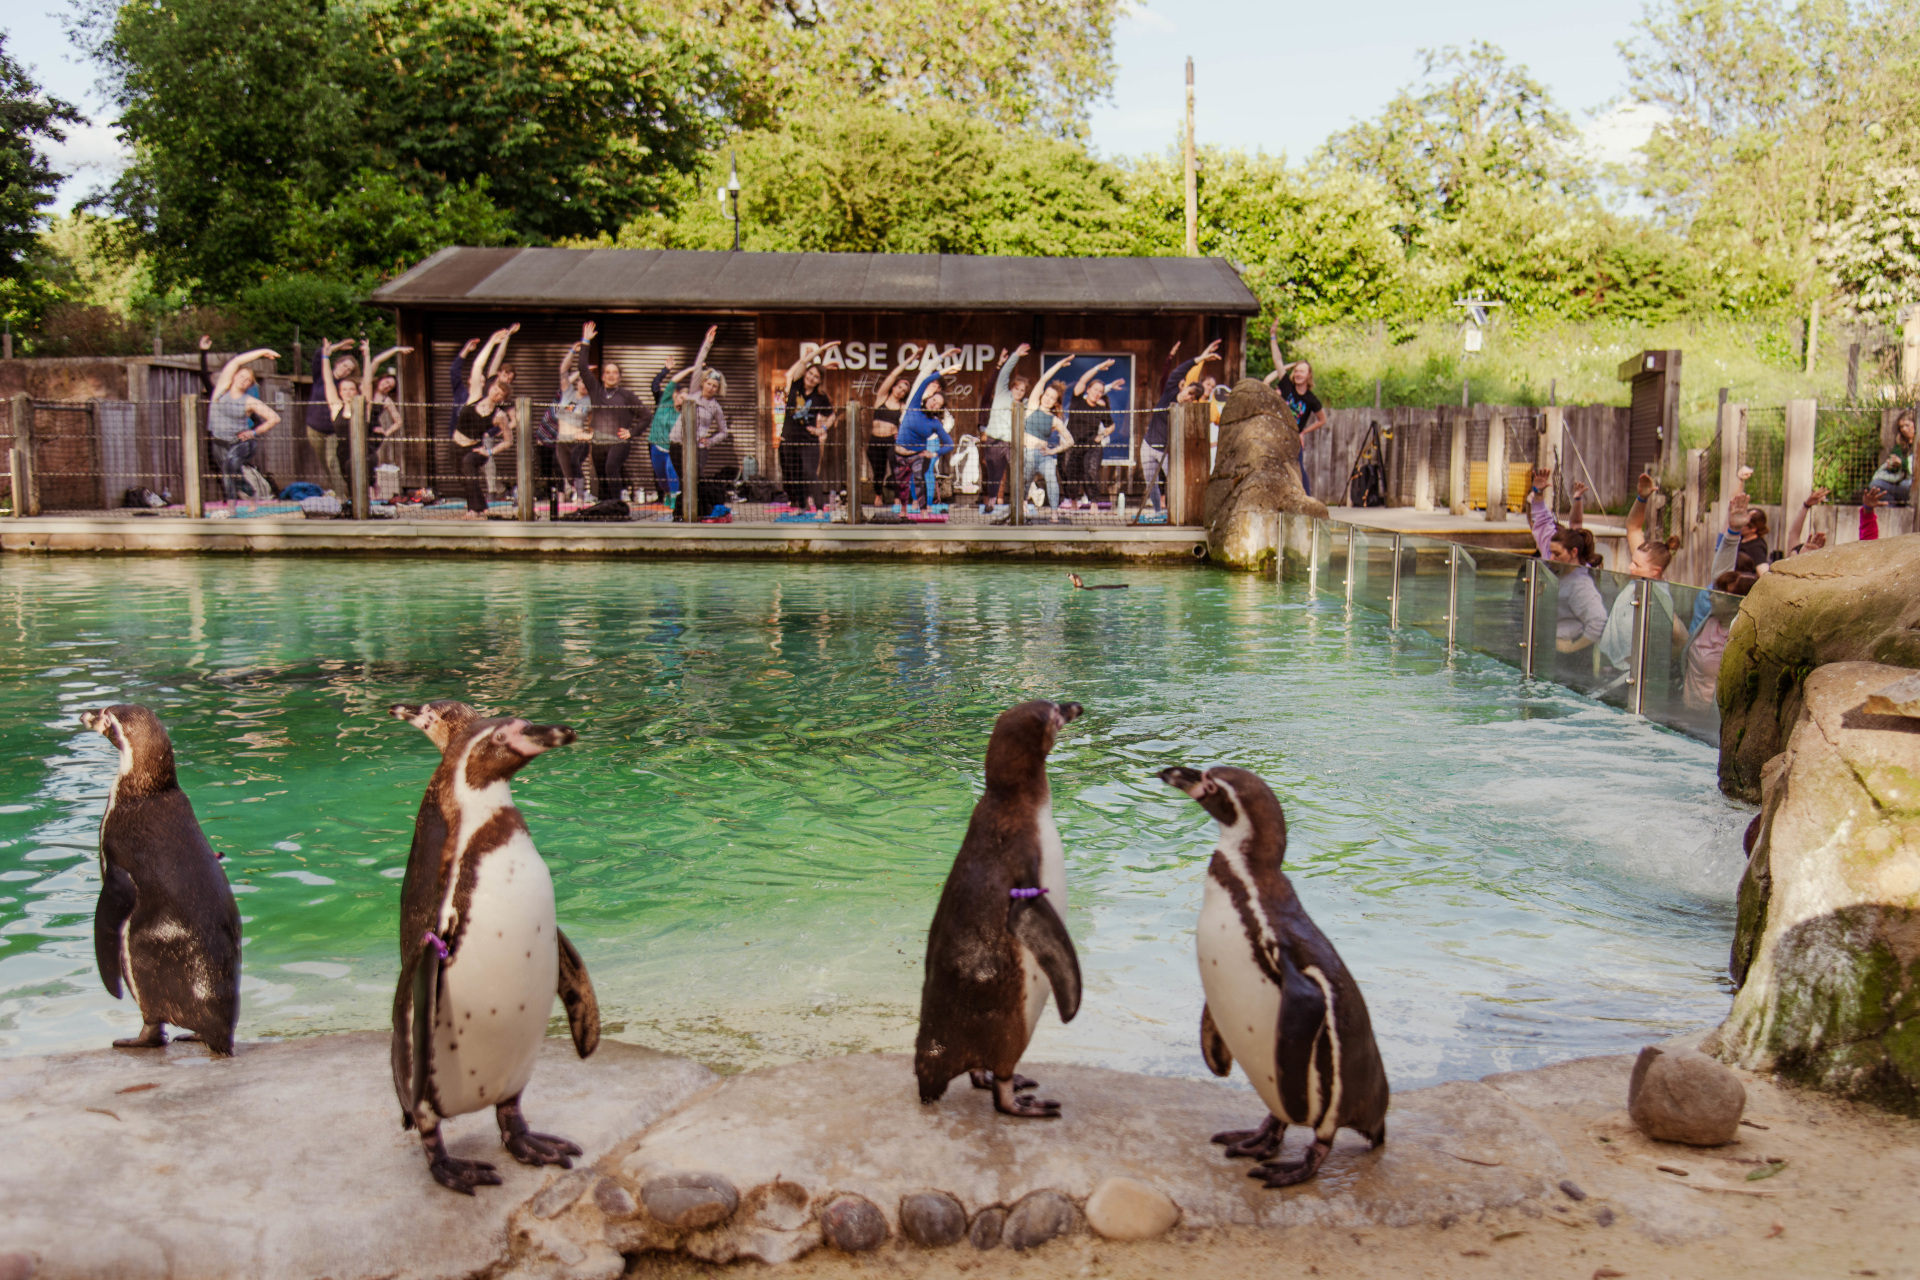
(1175,389)
(384,418)
(709,427)
(996,459)
(340,393)
(810,415)
(1871,499)
(923,437)
(484,428)
(1090,423)
(232,415)
(573,426)
(889,403)
(1045,423)
(671,391)
(1796,545)
(1648,559)
(615,410)
(320,417)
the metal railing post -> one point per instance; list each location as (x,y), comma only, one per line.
(1526,625)
(26,484)
(855,435)
(1393,596)
(1017,470)
(523,508)
(1350,532)
(357,455)
(1453,594)
(689,462)
(190,455)
(1637,680)
(1313,558)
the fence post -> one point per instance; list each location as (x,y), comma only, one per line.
(1526,623)
(1637,680)
(190,455)
(1422,465)
(26,484)
(523,508)
(1496,470)
(1453,594)
(1350,530)
(357,455)
(1549,455)
(855,436)
(689,461)
(1457,428)
(1393,597)
(1017,473)
(1176,465)
(1796,468)
(1733,451)
(1198,459)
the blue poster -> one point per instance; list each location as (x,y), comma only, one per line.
(1117,380)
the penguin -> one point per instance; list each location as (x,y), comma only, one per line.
(998,941)
(482,955)
(1278,997)
(166,923)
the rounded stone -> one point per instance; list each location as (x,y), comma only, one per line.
(932,1219)
(1685,1096)
(1038,1218)
(614,1200)
(1128,1209)
(16,1266)
(853,1224)
(987,1227)
(689,1201)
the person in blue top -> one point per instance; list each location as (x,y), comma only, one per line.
(1174,390)
(922,437)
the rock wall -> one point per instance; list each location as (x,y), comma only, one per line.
(1854,603)
(1256,480)
(1827,944)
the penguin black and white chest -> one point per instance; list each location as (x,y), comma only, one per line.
(166,924)
(998,943)
(477,981)
(1278,997)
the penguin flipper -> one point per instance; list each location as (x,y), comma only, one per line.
(117,896)
(1212,1046)
(576,992)
(426,1007)
(1302,1046)
(1038,927)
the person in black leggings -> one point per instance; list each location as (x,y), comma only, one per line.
(484,428)
(809,417)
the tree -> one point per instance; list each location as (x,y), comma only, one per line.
(1873,254)
(1036,66)
(27,180)
(376,227)
(1476,121)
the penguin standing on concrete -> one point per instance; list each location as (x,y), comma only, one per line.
(998,941)
(166,922)
(1278,997)
(482,955)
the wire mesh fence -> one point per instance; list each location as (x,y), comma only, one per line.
(1847,451)
(1766,453)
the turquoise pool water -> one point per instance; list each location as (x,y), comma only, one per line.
(775,766)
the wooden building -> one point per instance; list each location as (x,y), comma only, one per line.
(651,308)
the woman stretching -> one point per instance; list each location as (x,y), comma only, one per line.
(709,428)
(809,416)
(383,409)
(573,427)
(1046,425)
(889,402)
(669,398)
(341,393)
(923,437)
(1090,419)
(484,428)
(230,415)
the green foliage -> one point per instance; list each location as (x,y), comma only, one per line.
(28,117)
(376,226)
(1873,254)
(312,307)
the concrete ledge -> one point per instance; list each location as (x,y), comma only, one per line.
(271,536)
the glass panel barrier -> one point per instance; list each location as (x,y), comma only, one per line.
(1373,564)
(1680,693)
(1592,636)
(1333,572)
(1423,584)
(1493,600)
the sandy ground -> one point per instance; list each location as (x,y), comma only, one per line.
(1846,1203)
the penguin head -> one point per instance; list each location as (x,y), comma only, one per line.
(146,753)
(1234,797)
(496,749)
(1022,738)
(441,721)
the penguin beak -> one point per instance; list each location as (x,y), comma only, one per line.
(530,740)
(1067,712)
(417,716)
(1188,780)
(94,720)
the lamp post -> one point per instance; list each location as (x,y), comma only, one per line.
(732,191)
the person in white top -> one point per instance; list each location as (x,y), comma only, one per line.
(1009,389)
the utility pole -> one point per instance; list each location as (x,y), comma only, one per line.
(1192,179)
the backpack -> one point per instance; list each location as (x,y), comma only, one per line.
(610,510)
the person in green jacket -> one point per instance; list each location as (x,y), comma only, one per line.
(669,396)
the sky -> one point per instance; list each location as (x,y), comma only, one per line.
(1278,78)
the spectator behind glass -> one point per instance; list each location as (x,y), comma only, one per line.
(1709,643)
(1795,544)
(230,414)
(1647,559)
(1569,553)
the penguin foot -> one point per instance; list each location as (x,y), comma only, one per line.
(152,1036)
(1261,1144)
(1035,1108)
(528,1147)
(463,1175)
(984,1080)
(1276,1174)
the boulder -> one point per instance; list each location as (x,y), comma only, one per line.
(1684,1096)
(853,1224)
(932,1219)
(1827,941)
(1255,481)
(689,1201)
(1859,602)
(1038,1218)
(1128,1209)
(986,1228)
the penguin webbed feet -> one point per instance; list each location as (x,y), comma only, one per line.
(153,1035)
(528,1147)
(984,1080)
(456,1175)
(1277,1174)
(1007,1104)
(1260,1144)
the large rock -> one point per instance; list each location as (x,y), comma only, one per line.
(1827,942)
(1256,480)
(1854,603)
(1682,1095)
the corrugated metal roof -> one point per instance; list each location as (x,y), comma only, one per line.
(659,279)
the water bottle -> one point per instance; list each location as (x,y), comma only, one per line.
(1120,505)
